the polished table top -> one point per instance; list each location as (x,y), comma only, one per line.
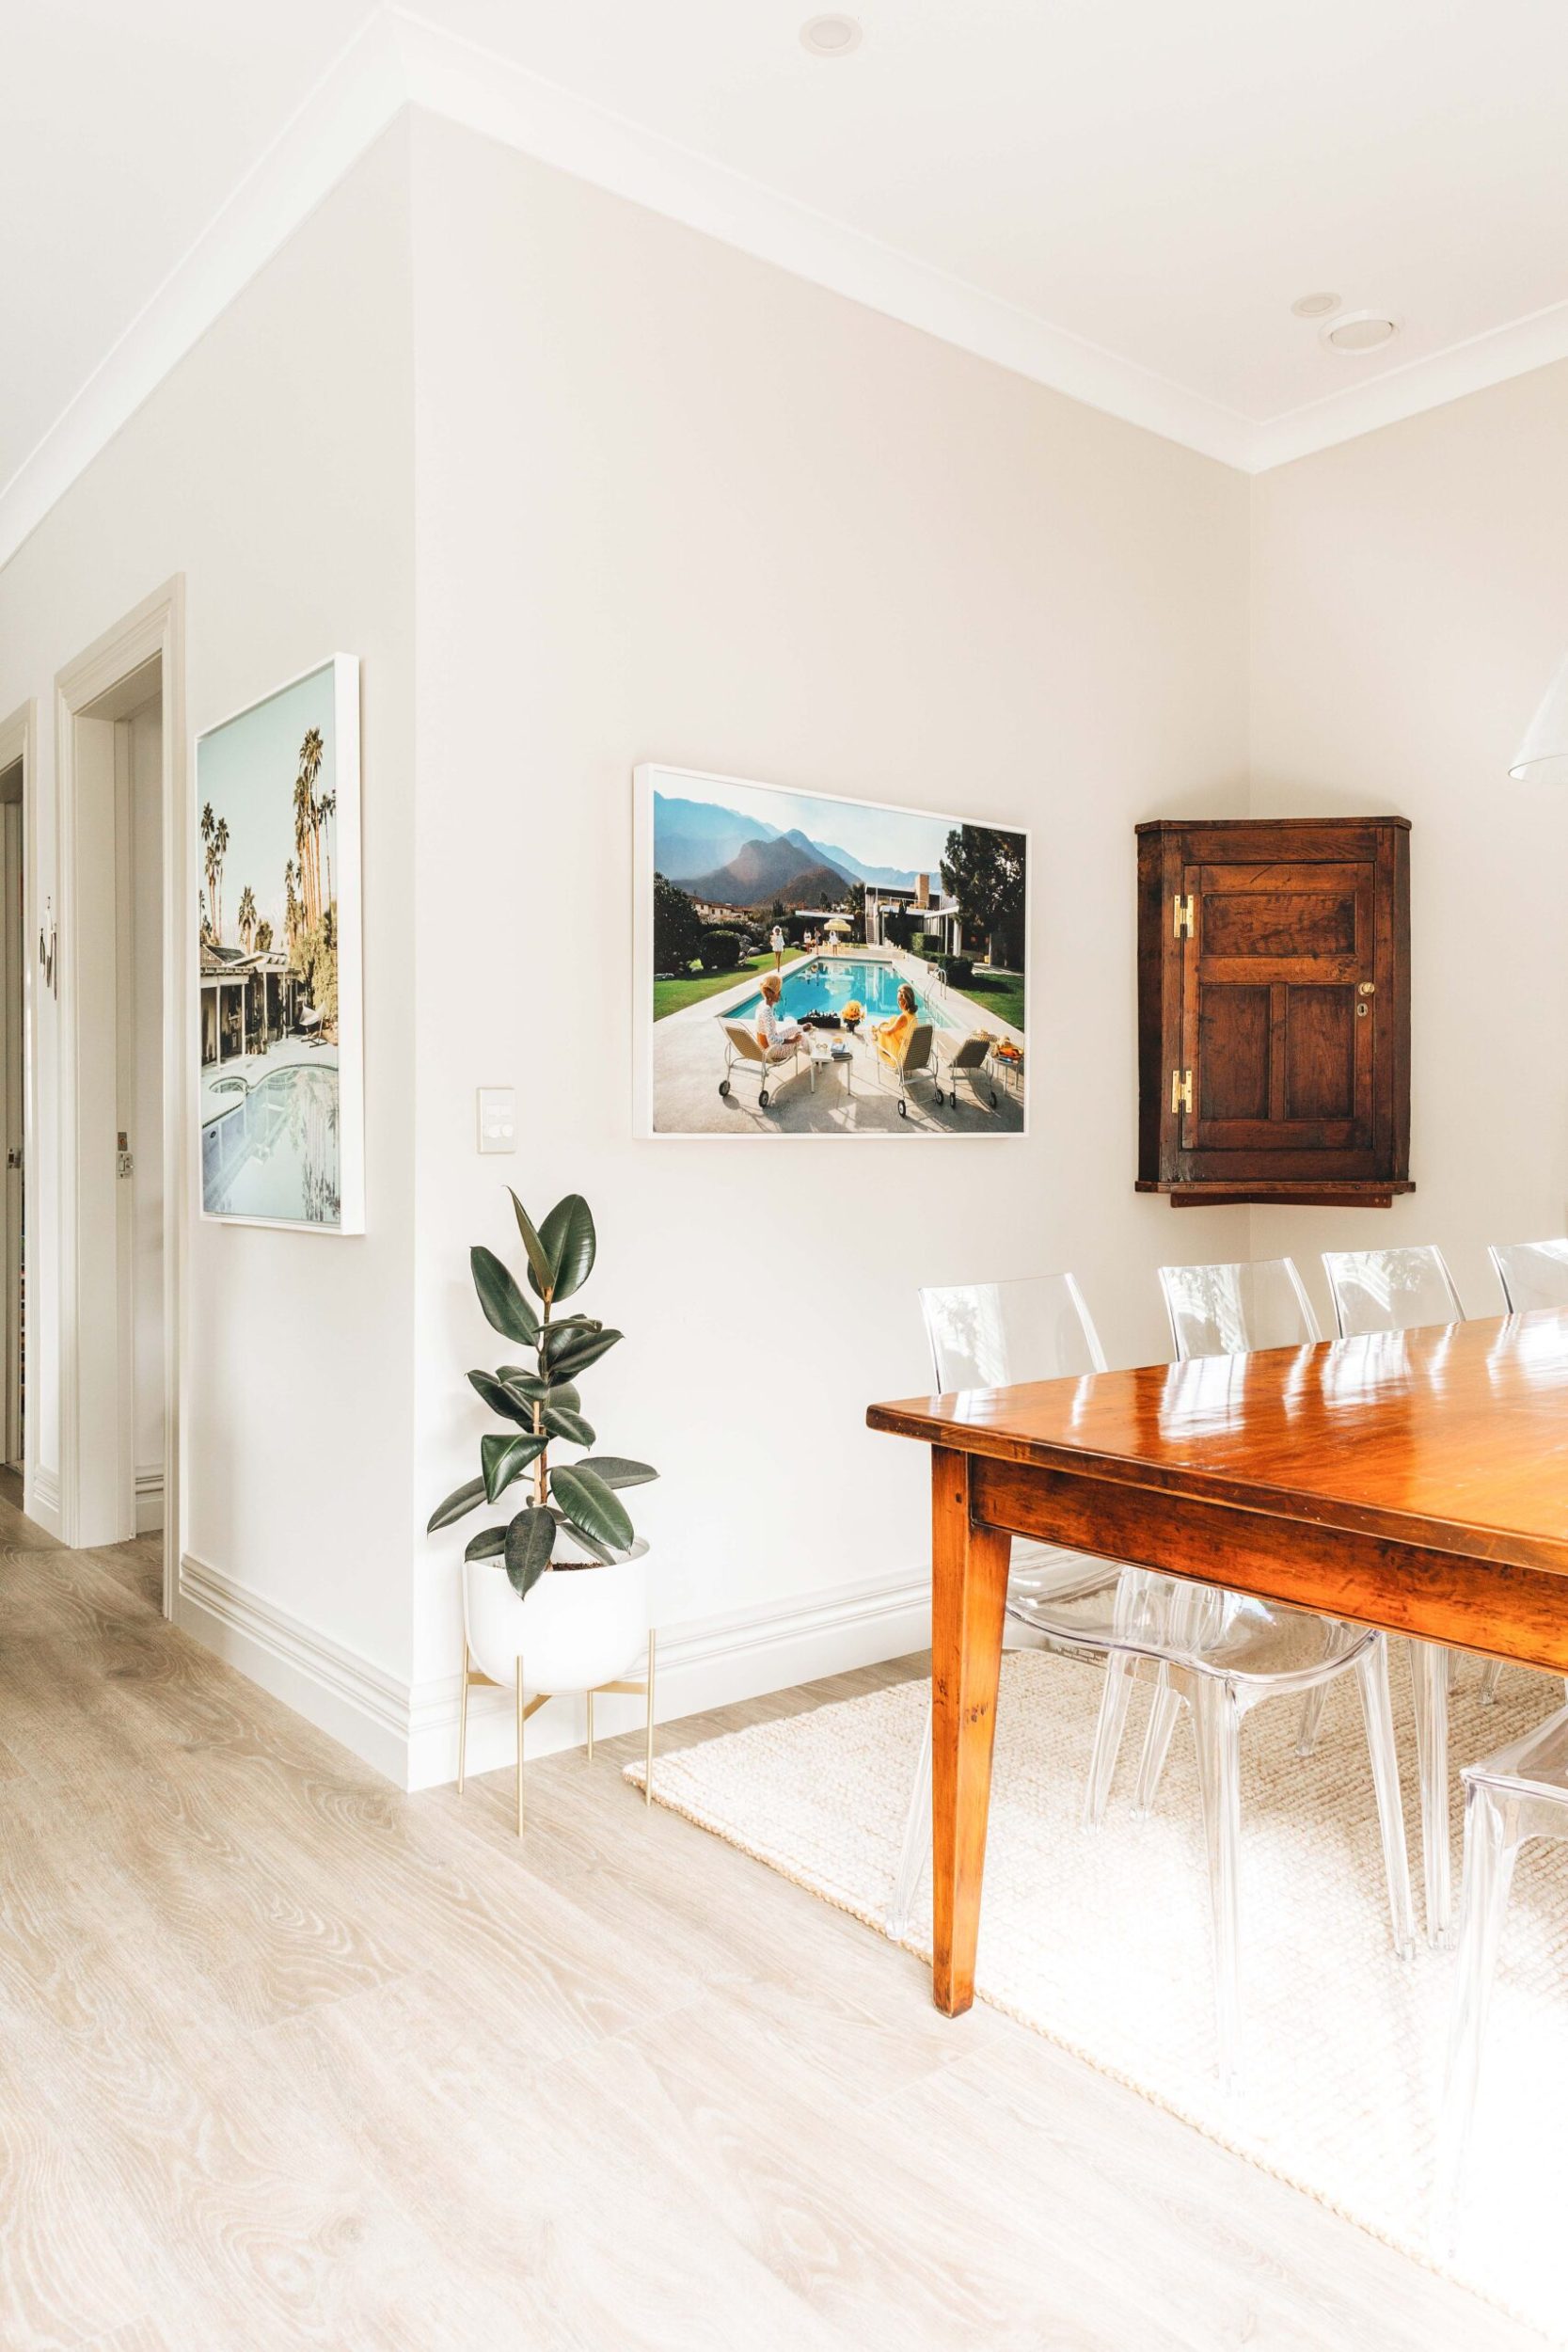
(1454,1436)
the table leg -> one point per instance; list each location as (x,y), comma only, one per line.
(969,1588)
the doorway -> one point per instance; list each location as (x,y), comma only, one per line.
(121,1035)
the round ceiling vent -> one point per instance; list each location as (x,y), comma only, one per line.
(830,36)
(1315,305)
(1362,331)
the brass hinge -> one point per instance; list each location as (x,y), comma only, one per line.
(1185,915)
(1182,1091)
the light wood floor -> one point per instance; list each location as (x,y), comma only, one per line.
(286,2058)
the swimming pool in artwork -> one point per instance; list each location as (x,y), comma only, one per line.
(828,984)
(275,1154)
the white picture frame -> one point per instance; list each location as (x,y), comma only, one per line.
(668,1086)
(296,1164)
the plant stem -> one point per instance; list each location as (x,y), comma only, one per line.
(540,1485)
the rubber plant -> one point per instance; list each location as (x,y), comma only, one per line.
(539,1408)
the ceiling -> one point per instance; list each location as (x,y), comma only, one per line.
(1111,195)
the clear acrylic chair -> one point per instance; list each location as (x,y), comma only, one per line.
(1520,1793)
(991,1335)
(1217,1653)
(1407,1290)
(1230,1309)
(1532,1273)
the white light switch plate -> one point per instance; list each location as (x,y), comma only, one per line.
(497,1118)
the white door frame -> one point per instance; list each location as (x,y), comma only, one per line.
(19,741)
(155,629)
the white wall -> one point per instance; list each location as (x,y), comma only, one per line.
(1410,600)
(676,504)
(273,468)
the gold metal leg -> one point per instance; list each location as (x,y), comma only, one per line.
(648,1760)
(590,1726)
(522,1718)
(463,1716)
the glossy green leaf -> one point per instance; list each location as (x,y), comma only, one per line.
(504,1459)
(579,1353)
(591,1507)
(488,1544)
(522,1381)
(500,1399)
(569,1244)
(505,1308)
(563,1392)
(530,1542)
(615,1470)
(574,1535)
(561,1422)
(457,1506)
(539,1272)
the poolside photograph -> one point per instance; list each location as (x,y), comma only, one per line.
(812,965)
(278,829)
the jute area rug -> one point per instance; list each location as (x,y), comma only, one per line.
(1100,1940)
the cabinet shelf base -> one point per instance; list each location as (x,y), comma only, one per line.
(1349,1192)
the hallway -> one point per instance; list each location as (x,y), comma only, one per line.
(293,2059)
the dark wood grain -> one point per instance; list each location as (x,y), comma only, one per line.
(1412,1480)
(1287,1001)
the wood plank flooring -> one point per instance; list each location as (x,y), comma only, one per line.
(287,2059)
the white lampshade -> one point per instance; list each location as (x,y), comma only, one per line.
(1543,757)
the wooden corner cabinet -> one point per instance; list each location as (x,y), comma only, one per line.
(1274,1010)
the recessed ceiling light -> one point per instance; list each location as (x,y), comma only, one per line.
(1362,331)
(830,36)
(1316,305)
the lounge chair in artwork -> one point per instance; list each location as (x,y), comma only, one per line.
(745,1053)
(970,1058)
(917,1061)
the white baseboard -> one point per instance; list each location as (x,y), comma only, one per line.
(331,1686)
(150,1500)
(42,1504)
(409,1732)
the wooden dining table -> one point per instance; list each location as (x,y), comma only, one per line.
(1412,1480)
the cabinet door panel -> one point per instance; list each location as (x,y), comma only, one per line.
(1233,1079)
(1281,1058)
(1320,1053)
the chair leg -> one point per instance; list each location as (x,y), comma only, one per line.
(1311,1717)
(1491,1845)
(917,1839)
(1372,1676)
(1120,1674)
(1429,1672)
(1490,1669)
(1164,1711)
(1216,1729)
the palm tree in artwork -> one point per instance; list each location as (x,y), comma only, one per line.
(264,936)
(327,809)
(291,904)
(248,918)
(217,851)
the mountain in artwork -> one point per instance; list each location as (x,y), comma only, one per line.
(696,845)
(763,870)
(694,837)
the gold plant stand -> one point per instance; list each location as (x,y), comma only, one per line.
(471,1676)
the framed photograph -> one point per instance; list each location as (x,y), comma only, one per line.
(281,1078)
(806,964)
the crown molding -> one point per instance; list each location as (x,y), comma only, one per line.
(1432,382)
(398,59)
(337,118)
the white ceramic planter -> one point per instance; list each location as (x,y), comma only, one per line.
(577,1627)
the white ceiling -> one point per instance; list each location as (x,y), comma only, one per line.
(1115,196)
